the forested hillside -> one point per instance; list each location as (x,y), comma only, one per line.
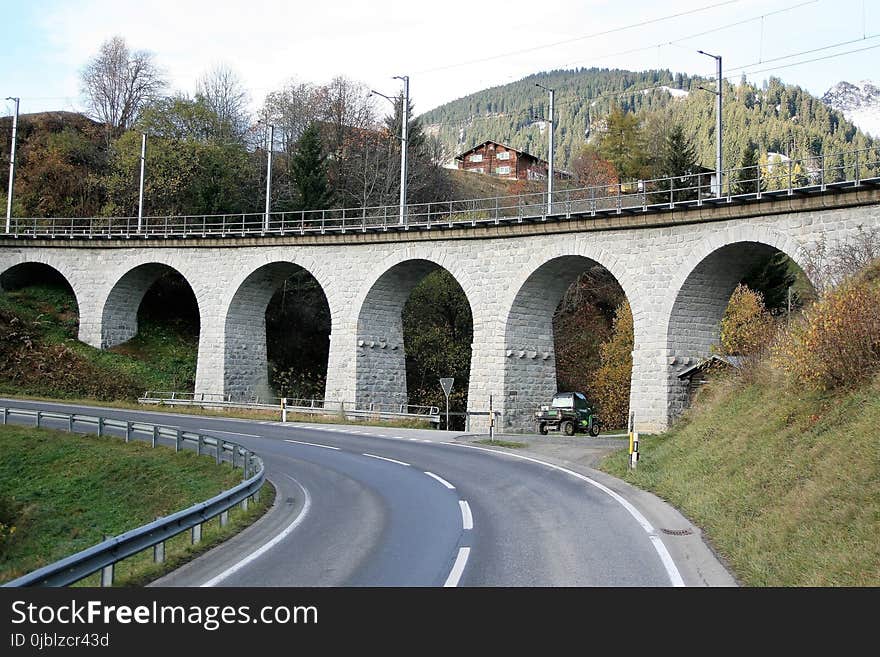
(777,117)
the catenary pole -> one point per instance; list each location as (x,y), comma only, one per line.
(11,167)
(141,192)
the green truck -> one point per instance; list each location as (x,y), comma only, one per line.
(568,413)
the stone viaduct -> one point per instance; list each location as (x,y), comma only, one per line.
(677,268)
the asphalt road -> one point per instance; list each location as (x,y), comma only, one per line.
(392,507)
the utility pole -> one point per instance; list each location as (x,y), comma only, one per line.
(269,177)
(550,158)
(11,167)
(404,127)
(718,162)
(141,192)
(404,130)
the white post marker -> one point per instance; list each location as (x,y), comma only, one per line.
(284,409)
(446,384)
(634,456)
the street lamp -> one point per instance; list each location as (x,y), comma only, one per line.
(404,125)
(11,167)
(550,159)
(271,145)
(717,93)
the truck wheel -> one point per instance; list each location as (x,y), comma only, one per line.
(542,429)
(594,429)
(568,428)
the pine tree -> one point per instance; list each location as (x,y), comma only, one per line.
(310,171)
(678,160)
(748,178)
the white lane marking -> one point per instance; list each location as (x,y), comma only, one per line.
(467,520)
(302,442)
(385,458)
(441,480)
(256,554)
(412,439)
(666,559)
(458,567)
(231,433)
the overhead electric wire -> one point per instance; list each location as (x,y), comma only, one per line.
(576,39)
(736,72)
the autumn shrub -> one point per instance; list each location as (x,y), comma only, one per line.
(836,342)
(611,384)
(747,327)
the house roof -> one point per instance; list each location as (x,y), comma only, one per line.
(733,361)
(461,156)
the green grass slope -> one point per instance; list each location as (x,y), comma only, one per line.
(40,355)
(60,493)
(785,483)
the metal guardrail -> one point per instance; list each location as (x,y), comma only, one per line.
(304,406)
(75,567)
(777,179)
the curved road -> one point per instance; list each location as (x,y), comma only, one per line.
(384,507)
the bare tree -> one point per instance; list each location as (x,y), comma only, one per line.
(117,83)
(224,94)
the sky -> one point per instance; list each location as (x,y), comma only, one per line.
(448,49)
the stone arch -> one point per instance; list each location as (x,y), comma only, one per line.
(25,269)
(245,361)
(700,295)
(119,312)
(529,343)
(380,364)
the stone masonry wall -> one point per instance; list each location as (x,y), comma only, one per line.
(673,282)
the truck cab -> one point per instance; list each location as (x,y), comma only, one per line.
(568,413)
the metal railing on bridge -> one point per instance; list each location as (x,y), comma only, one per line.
(814,174)
(326,407)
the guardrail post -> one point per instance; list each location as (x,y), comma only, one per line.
(5,414)
(159,550)
(177,441)
(39,414)
(234,452)
(244,504)
(219,450)
(155,440)
(196,534)
(224,518)
(107,572)
(127,431)
(70,423)
(199,445)
(257,495)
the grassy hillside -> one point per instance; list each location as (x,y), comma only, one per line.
(786,486)
(40,355)
(59,493)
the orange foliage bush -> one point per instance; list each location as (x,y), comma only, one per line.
(611,384)
(836,343)
(747,328)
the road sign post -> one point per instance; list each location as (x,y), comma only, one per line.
(446,384)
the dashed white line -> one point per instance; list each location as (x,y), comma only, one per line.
(441,480)
(467,520)
(385,458)
(302,442)
(666,559)
(256,554)
(458,567)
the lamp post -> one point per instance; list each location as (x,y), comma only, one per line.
(550,158)
(718,162)
(271,144)
(11,167)
(404,126)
